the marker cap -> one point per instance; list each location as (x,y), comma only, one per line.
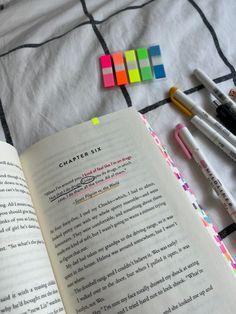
(185,149)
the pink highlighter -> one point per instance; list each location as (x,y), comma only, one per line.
(107,72)
(186,151)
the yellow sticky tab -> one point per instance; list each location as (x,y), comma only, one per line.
(130,55)
(95,121)
(134,76)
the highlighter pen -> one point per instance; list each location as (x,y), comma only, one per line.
(227,117)
(214,89)
(189,107)
(191,149)
(215,137)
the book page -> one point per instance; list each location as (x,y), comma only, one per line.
(27,283)
(121,232)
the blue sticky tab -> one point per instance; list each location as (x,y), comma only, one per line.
(155,50)
(159,71)
(156,61)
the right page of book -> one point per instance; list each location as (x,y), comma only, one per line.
(121,232)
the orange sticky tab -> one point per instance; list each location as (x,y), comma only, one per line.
(121,78)
(120,70)
(118,58)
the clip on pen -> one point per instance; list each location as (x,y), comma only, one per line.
(185,149)
(177,103)
(226,116)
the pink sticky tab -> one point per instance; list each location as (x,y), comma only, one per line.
(108,80)
(105,61)
(107,71)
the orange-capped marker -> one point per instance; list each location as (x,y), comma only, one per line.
(119,64)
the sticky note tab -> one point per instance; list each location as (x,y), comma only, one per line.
(158,67)
(144,64)
(120,71)
(95,121)
(132,66)
(107,71)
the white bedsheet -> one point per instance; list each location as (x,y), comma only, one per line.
(50,78)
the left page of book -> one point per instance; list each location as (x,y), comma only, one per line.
(27,283)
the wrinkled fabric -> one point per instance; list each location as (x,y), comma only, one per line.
(50,77)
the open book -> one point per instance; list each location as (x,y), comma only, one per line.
(96,219)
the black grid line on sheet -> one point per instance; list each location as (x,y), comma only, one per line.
(187,92)
(159,103)
(227,231)
(133,7)
(105,48)
(37,45)
(5,125)
(214,37)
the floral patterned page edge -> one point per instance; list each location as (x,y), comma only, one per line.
(202,215)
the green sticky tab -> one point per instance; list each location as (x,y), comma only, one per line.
(134,76)
(146,73)
(130,55)
(144,64)
(142,53)
(95,121)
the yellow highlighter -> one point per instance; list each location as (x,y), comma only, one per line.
(172,92)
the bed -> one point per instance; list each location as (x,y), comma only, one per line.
(50,77)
